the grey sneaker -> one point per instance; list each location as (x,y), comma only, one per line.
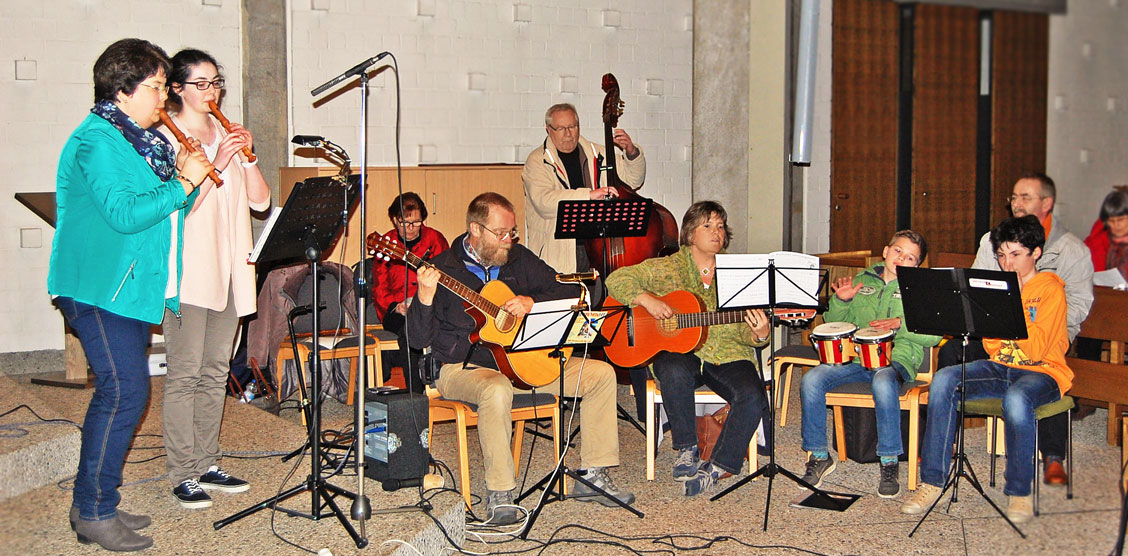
(816,470)
(706,477)
(685,467)
(888,487)
(500,509)
(598,476)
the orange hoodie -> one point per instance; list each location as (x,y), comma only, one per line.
(1043,351)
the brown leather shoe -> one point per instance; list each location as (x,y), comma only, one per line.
(1055,473)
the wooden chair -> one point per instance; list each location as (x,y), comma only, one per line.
(341,344)
(785,363)
(701,396)
(992,408)
(859,394)
(526,407)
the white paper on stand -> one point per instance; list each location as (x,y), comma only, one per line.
(253,257)
(742,280)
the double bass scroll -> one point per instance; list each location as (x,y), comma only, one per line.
(609,254)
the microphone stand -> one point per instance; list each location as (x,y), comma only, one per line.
(361,509)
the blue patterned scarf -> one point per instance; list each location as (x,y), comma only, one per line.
(152,146)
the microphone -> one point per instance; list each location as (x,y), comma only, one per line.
(428,482)
(355,70)
(308,140)
(577,277)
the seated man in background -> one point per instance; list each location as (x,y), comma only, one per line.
(1024,373)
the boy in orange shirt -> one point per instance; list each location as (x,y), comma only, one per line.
(1024,373)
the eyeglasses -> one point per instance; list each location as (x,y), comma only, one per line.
(1026,198)
(414,224)
(163,89)
(513,234)
(203,85)
(572,127)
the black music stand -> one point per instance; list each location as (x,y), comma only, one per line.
(556,332)
(760,286)
(963,302)
(305,228)
(604,219)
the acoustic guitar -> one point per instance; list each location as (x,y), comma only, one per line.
(636,338)
(495,328)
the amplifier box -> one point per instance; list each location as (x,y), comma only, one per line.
(396,439)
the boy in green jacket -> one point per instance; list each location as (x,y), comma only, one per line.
(870,299)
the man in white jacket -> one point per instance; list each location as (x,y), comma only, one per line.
(568,167)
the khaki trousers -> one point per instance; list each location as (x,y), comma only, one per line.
(199,346)
(493,394)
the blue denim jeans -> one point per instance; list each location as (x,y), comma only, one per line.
(1022,391)
(738,382)
(115,346)
(886,385)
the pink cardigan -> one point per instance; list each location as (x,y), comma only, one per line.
(217,240)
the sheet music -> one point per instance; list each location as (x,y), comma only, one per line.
(1110,278)
(545,324)
(745,279)
(253,257)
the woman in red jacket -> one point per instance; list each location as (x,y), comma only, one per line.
(1108,240)
(393,281)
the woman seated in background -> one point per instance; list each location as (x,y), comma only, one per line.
(393,281)
(1108,240)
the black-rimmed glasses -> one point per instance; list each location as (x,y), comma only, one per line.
(203,84)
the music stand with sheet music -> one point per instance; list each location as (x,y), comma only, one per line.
(551,327)
(306,227)
(964,302)
(604,219)
(755,281)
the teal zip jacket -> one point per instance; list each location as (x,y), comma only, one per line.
(877,300)
(113,235)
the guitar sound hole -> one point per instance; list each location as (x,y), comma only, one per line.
(669,325)
(504,321)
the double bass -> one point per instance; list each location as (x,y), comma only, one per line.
(608,254)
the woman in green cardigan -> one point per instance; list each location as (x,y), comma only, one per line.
(121,196)
(724,362)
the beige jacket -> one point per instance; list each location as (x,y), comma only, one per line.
(217,240)
(546,184)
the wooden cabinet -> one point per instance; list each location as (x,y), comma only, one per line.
(446,190)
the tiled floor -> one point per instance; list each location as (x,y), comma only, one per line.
(35,523)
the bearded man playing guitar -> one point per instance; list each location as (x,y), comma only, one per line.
(486,254)
(724,362)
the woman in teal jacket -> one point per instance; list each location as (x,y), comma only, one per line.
(115,262)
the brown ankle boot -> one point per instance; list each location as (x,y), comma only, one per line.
(132,521)
(111,534)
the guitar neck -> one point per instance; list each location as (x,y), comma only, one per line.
(710,318)
(472,297)
(729,316)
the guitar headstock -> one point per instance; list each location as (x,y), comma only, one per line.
(387,248)
(612,103)
(795,318)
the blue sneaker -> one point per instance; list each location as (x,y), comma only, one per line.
(218,479)
(191,496)
(685,467)
(706,477)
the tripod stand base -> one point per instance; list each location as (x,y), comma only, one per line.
(553,485)
(326,492)
(963,469)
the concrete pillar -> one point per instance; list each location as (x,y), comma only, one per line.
(264,84)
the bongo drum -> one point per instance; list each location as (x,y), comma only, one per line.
(833,342)
(874,345)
